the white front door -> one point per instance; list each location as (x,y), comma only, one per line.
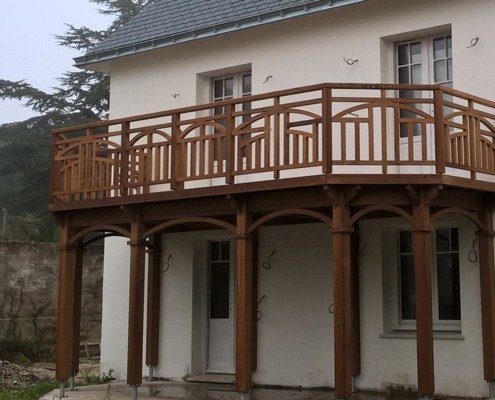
(221,308)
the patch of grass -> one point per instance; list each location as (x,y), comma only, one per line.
(92,379)
(33,392)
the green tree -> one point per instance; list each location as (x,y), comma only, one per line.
(81,96)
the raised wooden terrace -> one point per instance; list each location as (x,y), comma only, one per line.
(313,135)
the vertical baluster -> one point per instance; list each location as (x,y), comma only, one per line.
(124,159)
(276,137)
(383,110)
(326,122)
(473,142)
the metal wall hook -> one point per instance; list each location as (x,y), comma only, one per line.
(166,265)
(474,42)
(175,95)
(259,313)
(473,255)
(267,79)
(267,264)
(331,309)
(350,61)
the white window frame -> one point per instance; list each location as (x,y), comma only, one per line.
(438,324)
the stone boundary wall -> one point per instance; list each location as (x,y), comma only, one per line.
(28,293)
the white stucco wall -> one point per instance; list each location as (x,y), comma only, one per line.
(296,346)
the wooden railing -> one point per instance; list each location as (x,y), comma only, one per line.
(320,129)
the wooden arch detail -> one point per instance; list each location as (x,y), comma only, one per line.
(179,221)
(118,230)
(377,207)
(468,214)
(294,211)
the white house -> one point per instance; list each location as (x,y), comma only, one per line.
(327,223)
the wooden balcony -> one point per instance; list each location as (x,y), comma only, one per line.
(314,135)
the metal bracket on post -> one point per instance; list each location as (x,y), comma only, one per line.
(244,396)
(62,390)
(150,374)
(491,386)
(426,398)
(72,385)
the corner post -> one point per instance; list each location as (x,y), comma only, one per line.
(423,286)
(487,290)
(440,139)
(342,292)
(65,320)
(153,306)
(244,301)
(136,304)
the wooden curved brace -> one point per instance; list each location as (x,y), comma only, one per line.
(470,215)
(369,209)
(213,124)
(99,228)
(479,117)
(99,237)
(65,150)
(376,104)
(295,211)
(238,129)
(179,221)
(145,133)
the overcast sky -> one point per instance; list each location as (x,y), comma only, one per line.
(28,49)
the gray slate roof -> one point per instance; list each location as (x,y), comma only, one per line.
(167,22)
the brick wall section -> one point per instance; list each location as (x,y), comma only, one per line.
(28,292)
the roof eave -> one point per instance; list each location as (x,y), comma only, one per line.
(215,30)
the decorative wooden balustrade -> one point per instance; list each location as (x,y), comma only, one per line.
(317,130)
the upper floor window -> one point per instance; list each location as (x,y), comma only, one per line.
(423,61)
(446,280)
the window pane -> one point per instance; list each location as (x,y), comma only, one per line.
(443,240)
(405,239)
(218,89)
(449,303)
(219,286)
(407,292)
(440,71)
(454,237)
(229,87)
(404,75)
(439,48)
(416,74)
(225,246)
(449,70)
(246,84)
(215,251)
(415,53)
(449,46)
(403,54)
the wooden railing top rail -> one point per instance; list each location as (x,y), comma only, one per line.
(247,99)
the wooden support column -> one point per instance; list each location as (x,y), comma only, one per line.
(76,310)
(255,305)
(342,292)
(487,289)
(244,301)
(153,306)
(423,276)
(136,304)
(356,328)
(65,322)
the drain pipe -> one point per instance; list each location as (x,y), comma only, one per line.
(62,390)
(134,389)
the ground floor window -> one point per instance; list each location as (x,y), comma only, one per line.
(446,280)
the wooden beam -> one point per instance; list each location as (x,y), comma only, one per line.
(342,292)
(65,320)
(76,310)
(423,284)
(153,306)
(244,301)
(136,305)
(487,289)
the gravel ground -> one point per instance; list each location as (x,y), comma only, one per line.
(14,376)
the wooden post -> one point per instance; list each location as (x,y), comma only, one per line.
(244,301)
(76,310)
(65,320)
(487,289)
(136,305)
(255,305)
(423,285)
(440,139)
(342,292)
(356,329)
(326,121)
(153,307)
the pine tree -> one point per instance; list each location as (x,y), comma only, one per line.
(81,96)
